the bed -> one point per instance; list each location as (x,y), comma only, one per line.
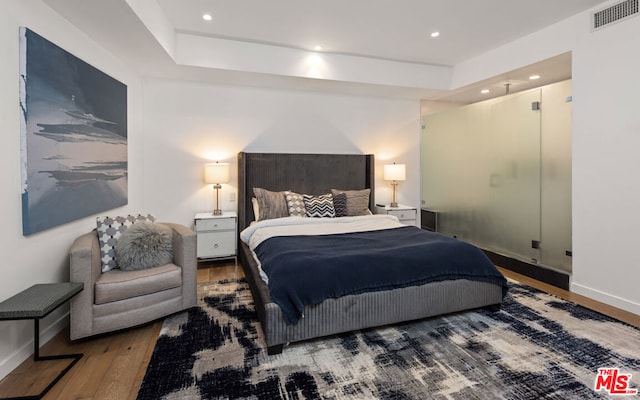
(317,174)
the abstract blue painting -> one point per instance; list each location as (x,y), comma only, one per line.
(74,136)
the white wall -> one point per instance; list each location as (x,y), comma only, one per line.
(606,165)
(188,124)
(605,143)
(185,125)
(42,257)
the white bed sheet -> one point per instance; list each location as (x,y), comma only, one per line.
(260,231)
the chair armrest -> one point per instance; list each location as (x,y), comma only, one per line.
(85,267)
(184,256)
(84,258)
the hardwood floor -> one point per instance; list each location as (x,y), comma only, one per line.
(113,365)
(621,315)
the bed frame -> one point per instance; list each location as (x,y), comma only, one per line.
(318,174)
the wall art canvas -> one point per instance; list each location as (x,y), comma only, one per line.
(74,136)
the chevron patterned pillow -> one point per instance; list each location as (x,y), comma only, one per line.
(319,206)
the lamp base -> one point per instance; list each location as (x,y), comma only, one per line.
(217,211)
(394,203)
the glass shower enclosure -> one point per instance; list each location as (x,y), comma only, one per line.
(498,173)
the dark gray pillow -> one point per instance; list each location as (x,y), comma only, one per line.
(144,245)
(340,204)
(271,204)
(357,201)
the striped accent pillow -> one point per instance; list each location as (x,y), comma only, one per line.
(340,204)
(319,206)
(270,204)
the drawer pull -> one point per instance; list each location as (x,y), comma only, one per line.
(401,215)
(204,225)
(215,245)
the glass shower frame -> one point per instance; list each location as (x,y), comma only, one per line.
(499,174)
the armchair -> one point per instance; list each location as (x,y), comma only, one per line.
(119,299)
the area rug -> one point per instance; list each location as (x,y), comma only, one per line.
(536,347)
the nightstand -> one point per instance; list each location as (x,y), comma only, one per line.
(406,214)
(216,235)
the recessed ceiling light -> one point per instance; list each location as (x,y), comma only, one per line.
(207,17)
(534,77)
(317,48)
(435,34)
(485,91)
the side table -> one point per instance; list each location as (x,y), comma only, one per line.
(35,303)
(406,214)
(216,235)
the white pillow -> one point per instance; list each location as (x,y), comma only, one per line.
(256,208)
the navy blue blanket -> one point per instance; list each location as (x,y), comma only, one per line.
(306,270)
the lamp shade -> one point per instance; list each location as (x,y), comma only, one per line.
(394,172)
(216,173)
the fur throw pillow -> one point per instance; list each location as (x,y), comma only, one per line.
(144,245)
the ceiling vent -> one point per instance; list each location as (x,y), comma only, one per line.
(616,12)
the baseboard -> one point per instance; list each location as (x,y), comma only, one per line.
(560,280)
(606,298)
(535,271)
(26,350)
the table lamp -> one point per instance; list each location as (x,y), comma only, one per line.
(216,173)
(394,173)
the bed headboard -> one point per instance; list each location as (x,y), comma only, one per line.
(301,173)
